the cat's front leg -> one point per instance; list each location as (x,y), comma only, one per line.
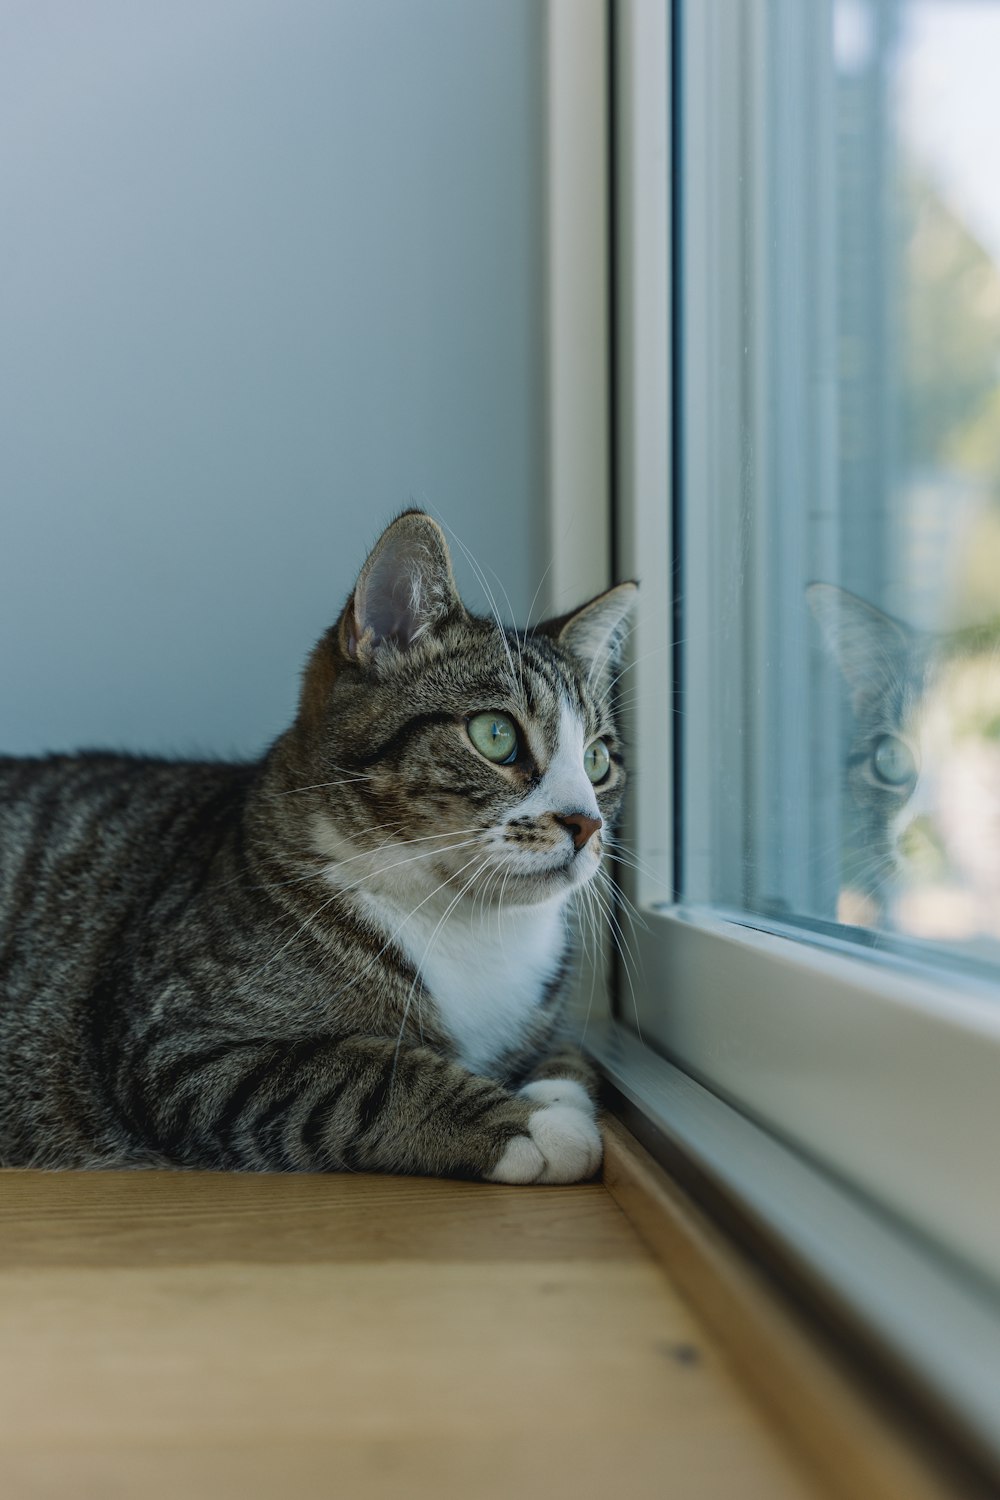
(563,1130)
(436,1117)
(361,1103)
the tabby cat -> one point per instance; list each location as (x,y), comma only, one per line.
(351,954)
(923,770)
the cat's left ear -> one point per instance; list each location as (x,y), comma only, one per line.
(597,631)
(870,647)
(404,589)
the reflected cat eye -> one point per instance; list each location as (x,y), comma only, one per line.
(892,761)
(597,760)
(495,737)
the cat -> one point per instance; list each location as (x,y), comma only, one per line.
(923,770)
(351,954)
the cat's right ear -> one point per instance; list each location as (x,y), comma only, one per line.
(404,589)
(869,647)
(596,632)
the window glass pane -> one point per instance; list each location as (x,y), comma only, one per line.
(839,257)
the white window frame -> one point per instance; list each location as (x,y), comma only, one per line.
(846,1104)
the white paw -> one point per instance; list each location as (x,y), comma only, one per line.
(563,1144)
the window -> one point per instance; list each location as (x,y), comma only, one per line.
(807,282)
(840,394)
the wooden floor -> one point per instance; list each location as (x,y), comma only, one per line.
(199,1335)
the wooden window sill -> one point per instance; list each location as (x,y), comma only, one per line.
(223,1335)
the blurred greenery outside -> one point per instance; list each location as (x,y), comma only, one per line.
(948,289)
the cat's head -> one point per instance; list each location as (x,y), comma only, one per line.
(443,749)
(924,765)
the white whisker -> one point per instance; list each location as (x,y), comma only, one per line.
(346,890)
(316,786)
(496,616)
(618,938)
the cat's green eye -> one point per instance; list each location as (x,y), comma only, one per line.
(597,760)
(892,761)
(495,736)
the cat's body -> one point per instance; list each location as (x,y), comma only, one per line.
(351,954)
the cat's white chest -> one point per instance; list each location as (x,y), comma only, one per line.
(487,973)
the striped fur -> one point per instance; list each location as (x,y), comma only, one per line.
(226,966)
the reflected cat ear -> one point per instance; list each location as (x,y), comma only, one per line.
(871,648)
(404,589)
(596,632)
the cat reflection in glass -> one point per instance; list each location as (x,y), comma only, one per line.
(923,769)
(351,954)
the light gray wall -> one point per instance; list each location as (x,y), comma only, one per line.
(270,270)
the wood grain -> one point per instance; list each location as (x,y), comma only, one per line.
(211,1335)
(151,1218)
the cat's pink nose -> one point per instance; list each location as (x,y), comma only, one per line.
(580,825)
